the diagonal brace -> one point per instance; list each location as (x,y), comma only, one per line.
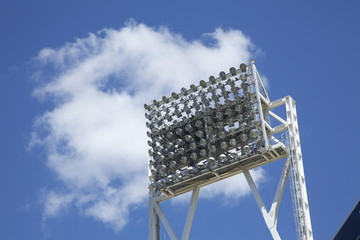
(191,213)
(271,216)
(189,219)
(164,220)
(274,210)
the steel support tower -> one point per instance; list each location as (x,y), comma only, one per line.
(227,130)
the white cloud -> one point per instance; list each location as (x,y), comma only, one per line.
(95,134)
(56,203)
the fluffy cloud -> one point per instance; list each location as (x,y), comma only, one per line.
(94,135)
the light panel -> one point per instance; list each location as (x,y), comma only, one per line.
(203,127)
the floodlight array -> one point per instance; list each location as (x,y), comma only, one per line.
(203,127)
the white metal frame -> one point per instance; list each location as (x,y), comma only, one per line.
(293,167)
(295,161)
(156,214)
(301,203)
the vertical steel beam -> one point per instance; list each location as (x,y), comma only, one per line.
(164,221)
(302,211)
(258,98)
(154,226)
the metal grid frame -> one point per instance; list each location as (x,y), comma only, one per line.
(272,149)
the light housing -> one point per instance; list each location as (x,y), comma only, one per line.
(204,125)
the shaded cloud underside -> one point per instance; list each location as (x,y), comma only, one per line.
(95,135)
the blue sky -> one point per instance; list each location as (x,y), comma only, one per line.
(71,170)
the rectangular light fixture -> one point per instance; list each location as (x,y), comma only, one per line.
(204,127)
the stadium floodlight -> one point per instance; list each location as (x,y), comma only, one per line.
(202,122)
(217,129)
